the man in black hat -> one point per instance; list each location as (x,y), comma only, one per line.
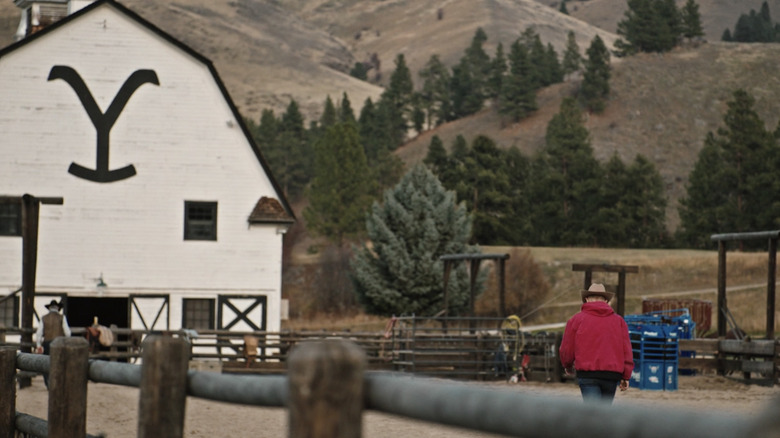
(52,326)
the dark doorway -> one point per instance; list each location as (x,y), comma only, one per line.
(82,311)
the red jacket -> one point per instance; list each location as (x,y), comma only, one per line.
(596,339)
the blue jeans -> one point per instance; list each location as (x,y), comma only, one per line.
(598,389)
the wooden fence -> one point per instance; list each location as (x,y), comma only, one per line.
(428,347)
(326,390)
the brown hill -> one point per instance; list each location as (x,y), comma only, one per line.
(661,106)
(716,15)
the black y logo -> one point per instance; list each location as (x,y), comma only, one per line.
(103,122)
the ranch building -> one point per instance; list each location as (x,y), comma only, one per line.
(154,208)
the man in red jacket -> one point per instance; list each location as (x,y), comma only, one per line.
(596,344)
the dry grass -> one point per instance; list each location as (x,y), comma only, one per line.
(685,274)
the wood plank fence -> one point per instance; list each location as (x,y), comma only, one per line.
(423,346)
(326,391)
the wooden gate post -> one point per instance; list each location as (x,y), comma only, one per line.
(8,389)
(326,389)
(68,375)
(163,391)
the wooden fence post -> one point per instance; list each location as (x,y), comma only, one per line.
(8,389)
(163,391)
(326,389)
(68,375)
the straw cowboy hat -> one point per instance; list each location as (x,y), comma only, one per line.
(596,289)
(54,304)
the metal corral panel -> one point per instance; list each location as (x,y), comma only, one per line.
(700,310)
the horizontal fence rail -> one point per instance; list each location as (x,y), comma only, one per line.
(328,386)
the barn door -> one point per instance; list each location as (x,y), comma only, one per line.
(150,312)
(242,312)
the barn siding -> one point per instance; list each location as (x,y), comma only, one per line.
(185,144)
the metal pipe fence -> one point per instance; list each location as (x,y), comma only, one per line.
(321,396)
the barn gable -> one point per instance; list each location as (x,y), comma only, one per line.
(161,181)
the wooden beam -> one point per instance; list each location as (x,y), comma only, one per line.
(604,268)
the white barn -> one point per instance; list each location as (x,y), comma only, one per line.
(170,216)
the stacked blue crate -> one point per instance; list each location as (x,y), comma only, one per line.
(655,347)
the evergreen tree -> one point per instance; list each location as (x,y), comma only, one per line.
(553,66)
(595,81)
(497,72)
(346,113)
(755,27)
(518,95)
(648,26)
(341,191)
(645,204)
(436,91)
(735,192)
(359,71)
(376,136)
(488,193)
(436,158)
(398,97)
(572,58)
(328,117)
(726,36)
(691,20)
(401,273)
(289,153)
(467,99)
(563,8)
(565,178)
(479,61)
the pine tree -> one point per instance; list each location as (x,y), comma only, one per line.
(572,58)
(691,20)
(563,8)
(346,113)
(401,273)
(479,60)
(644,201)
(289,153)
(466,95)
(341,191)
(488,193)
(518,95)
(732,187)
(436,91)
(595,81)
(436,158)
(328,117)
(497,73)
(376,136)
(564,179)
(649,26)
(398,97)
(553,65)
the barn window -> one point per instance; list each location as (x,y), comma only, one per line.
(198,313)
(11,219)
(200,220)
(9,314)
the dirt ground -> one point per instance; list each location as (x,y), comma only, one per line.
(113,409)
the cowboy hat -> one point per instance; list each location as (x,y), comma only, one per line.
(53,303)
(596,289)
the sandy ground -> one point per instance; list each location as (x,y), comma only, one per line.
(113,409)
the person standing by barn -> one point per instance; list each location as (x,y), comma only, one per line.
(597,345)
(52,326)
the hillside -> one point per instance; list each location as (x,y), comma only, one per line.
(716,15)
(661,106)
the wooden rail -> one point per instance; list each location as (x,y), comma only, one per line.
(326,391)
